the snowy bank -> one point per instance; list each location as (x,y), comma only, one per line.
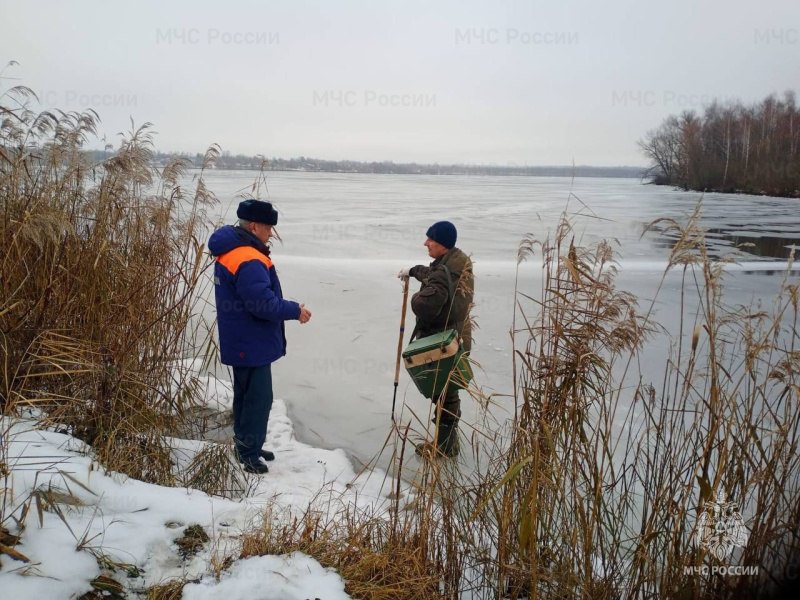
(93,520)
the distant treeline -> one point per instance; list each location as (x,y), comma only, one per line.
(302,163)
(730,148)
(388,167)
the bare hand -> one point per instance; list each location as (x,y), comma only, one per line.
(305,314)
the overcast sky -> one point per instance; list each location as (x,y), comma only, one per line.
(528,82)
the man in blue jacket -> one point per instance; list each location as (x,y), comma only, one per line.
(250,316)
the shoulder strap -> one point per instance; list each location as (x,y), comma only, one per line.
(450,289)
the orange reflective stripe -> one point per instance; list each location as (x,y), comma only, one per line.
(233,260)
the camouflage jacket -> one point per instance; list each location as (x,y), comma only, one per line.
(433,305)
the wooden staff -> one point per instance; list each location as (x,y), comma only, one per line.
(400,344)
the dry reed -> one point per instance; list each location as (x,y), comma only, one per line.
(99,267)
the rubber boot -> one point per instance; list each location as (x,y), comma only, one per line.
(446,444)
(450,412)
(447,438)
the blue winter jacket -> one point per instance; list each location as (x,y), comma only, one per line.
(250,307)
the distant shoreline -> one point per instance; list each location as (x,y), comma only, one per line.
(610,172)
(731,192)
(471,173)
(316,165)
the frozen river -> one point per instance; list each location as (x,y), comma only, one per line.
(345,236)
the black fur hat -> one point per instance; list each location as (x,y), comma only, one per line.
(257,211)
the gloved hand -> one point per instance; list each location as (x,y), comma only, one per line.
(404,274)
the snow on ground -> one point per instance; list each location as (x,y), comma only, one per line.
(137,523)
(272,578)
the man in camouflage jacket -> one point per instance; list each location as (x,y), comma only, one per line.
(437,311)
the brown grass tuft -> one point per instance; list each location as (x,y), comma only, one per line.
(215,471)
(375,562)
(167,591)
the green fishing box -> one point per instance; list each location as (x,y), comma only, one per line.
(436,360)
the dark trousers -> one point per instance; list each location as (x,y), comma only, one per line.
(448,406)
(252,402)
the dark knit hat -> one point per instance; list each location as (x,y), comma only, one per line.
(443,232)
(257,211)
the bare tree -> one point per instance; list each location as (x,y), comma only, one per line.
(729,148)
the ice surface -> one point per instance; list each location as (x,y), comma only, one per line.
(345,236)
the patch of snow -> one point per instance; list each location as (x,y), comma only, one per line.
(290,577)
(137,523)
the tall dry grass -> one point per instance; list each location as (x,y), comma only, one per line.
(99,264)
(602,487)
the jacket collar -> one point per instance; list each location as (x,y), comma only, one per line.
(443,258)
(253,241)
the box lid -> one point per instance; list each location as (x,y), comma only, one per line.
(431,342)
